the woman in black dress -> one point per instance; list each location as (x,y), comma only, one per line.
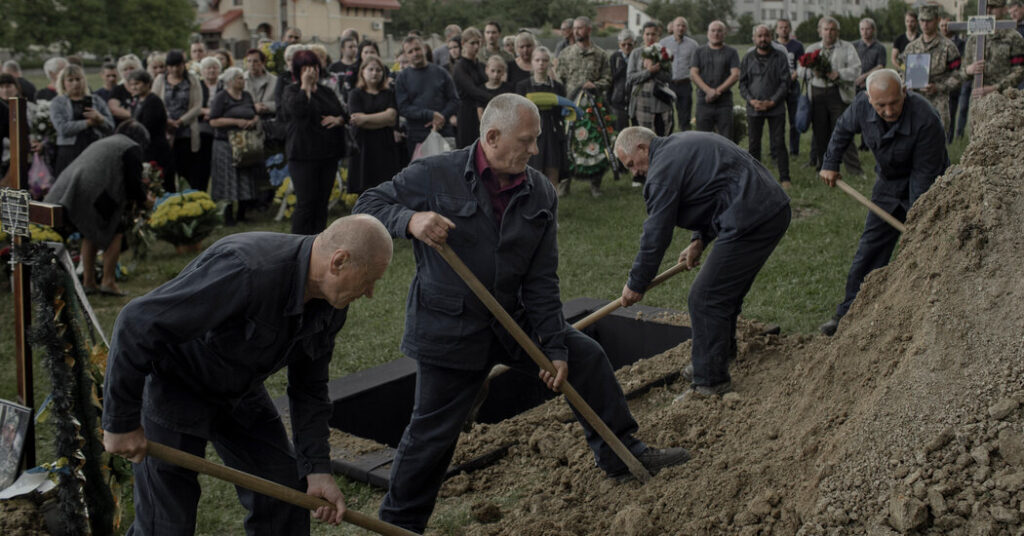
(469,80)
(150,112)
(551,144)
(315,142)
(520,66)
(374,114)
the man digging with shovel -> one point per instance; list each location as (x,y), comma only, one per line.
(500,216)
(705,183)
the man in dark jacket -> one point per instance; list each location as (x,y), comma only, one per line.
(705,183)
(906,135)
(500,217)
(426,95)
(188,360)
(764,82)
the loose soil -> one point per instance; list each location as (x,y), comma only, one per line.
(908,420)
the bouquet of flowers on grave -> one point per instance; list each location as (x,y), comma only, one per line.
(658,54)
(184,218)
(41,128)
(274,51)
(39,233)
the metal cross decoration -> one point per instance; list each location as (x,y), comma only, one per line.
(981,25)
(18,211)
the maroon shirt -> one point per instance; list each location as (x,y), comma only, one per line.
(500,197)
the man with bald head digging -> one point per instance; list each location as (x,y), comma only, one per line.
(500,217)
(906,135)
(188,360)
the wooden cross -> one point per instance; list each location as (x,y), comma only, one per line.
(43,214)
(967,26)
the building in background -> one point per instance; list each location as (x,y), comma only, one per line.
(238,24)
(629,14)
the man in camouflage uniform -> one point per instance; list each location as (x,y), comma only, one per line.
(584,65)
(944,75)
(1003,65)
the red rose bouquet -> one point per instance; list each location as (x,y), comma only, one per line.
(816,62)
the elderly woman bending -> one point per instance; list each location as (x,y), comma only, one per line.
(97,190)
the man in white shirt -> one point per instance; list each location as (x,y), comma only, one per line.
(681,46)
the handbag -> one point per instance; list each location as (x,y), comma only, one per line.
(663,93)
(246,147)
(803,110)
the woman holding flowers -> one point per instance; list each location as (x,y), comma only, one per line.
(98,191)
(551,144)
(374,114)
(79,117)
(648,79)
(231,109)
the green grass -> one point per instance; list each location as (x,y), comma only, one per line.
(598,238)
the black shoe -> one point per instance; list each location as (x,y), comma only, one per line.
(654,460)
(829,328)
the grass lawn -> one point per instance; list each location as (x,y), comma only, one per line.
(598,238)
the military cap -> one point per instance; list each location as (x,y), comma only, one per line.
(931,12)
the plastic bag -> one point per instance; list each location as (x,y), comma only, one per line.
(434,144)
(39,178)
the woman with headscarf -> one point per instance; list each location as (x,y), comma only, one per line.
(233,108)
(79,117)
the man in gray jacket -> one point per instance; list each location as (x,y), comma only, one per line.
(500,217)
(705,183)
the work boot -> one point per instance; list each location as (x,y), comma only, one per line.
(829,328)
(563,187)
(654,460)
(700,392)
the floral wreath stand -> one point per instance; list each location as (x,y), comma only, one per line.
(590,138)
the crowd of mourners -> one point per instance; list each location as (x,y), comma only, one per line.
(371,116)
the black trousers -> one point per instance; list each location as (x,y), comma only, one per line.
(684,102)
(716,296)
(444,397)
(167,495)
(792,98)
(776,140)
(313,181)
(826,108)
(879,239)
(715,118)
(186,164)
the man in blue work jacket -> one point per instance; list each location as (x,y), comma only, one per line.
(500,217)
(705,183)
(906,135)
(188,360)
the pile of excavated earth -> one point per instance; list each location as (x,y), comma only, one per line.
(908,420)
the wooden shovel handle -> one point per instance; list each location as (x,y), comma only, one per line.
(871,206)
(574,398)
(266,487)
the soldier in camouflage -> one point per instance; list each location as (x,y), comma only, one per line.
(584,65)
(1003,65)
(944,75)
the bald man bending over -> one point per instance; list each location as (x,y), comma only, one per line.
(188,360)
(906,135)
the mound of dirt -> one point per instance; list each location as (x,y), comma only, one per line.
(908,420)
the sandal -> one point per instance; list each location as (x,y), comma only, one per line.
(107,291)
(89,291)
